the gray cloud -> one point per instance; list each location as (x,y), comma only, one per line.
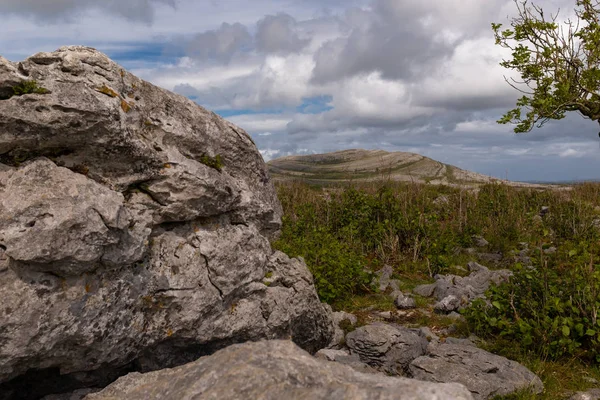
(220,44)
(393,43)
(278,34)
(56,10)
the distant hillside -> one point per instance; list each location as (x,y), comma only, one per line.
(368,165)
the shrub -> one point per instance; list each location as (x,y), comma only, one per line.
(551,309)
(338,271)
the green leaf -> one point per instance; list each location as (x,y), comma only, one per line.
(566,331)
(572,253)
(497,305)
(590,332)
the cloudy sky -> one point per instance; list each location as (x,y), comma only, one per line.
(313,76)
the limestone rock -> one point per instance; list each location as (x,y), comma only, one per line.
(383,277)
(455,292)
(134,231)
(486,375)
(403,302)
(480,241)
(58,221)
(271,370)
(341,318)
(389,348)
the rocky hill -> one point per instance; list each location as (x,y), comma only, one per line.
(367,165)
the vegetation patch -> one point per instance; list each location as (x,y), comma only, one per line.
(545,317)
(23,88)
(214,162)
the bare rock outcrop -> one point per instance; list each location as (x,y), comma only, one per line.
(134,230)
(486,375)
(272,370)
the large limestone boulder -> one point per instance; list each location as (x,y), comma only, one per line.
(485,374)
(389,348)
(272,370)
(134,228)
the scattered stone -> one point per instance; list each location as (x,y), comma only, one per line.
(441,200)
(470,250)
(272,370)
(383,277)
(385,315)
(455,315)
(426,290)
(389,348)
(455,292)
(404,302)
(394,285)
(550,250)
(592,394)
(486,375)
(544,210)
(480,241)
(448,304)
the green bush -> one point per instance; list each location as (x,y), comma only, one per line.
(338,271)
(551,309)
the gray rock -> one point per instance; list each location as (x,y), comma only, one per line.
(455,292)
(404,302)
(389,348)
(426,290)
(550,250)
(339,318)
(455,315)
(394,285)
(331,354)
(383,277)
(384,314)
(592,394)
(57,221)
(344,357)
(134,230)
(484,374)
(428,334)
(441,200)
(271,370)
(448,304)
(480,241)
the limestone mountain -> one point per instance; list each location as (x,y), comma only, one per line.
(366,165)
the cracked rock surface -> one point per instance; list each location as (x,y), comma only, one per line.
(272,370)
(486,375)
(134,231)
